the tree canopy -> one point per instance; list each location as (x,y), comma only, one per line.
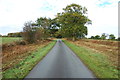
(73,20)
(112,37)
(71,23)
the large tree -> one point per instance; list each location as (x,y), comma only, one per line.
(97,37)
(45,24)
(112,37)
(104,35)
(72,21)
(51,26)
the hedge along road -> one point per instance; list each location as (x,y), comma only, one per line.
(60,62)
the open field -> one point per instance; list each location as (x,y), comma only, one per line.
(18,60)
(106,47)
(10,39)
(100,56)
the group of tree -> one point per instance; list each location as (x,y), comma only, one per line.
(104,36)
(16,34)
(70,24)
(41,29)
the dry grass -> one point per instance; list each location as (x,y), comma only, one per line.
(105,47)
(12,55)
(96,61)
(22,68)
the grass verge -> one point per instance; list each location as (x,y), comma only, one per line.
(95,61)
(21,69)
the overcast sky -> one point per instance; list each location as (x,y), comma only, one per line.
(14,13)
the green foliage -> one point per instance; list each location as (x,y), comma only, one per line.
(104,35)
(92,37)
(97,37)
(43,22)
(112,37)
(54,27)
(51,26)
(17,34)
(72,21)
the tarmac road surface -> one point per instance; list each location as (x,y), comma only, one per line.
(60,62)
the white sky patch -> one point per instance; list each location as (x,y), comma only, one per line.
(14,13)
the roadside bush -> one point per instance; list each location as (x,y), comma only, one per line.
(29,32)
(33,33)
(22,42)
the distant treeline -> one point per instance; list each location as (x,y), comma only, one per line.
(105,36)
(102,37)
(16,34)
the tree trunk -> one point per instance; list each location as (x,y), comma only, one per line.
(73,38)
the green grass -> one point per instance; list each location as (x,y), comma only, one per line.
(97,62)
(10,39)
(21,69)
